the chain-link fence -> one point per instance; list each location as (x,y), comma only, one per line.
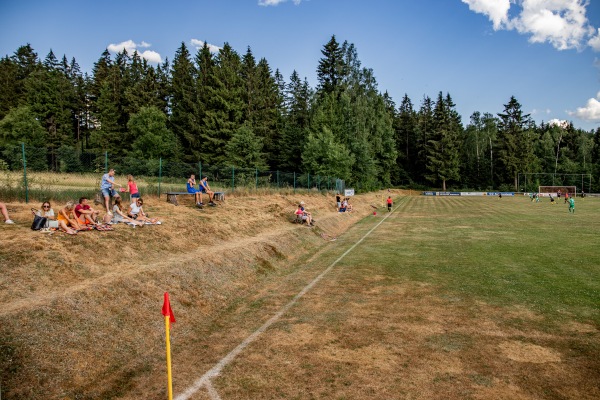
(28,173)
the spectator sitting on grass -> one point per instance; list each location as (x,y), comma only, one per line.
(54,223)
(4,211)
(302,214)
(136,212)
(85,214)
(204,188)
(120,216)
(66,215)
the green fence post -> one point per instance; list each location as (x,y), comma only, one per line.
(256,179)
(308,181)
(294,182)
(106,162)
(159,174)
(199,170)
(25,173)
(277,179)
(232,179)
(319,182)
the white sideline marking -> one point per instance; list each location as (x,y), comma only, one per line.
(204,380)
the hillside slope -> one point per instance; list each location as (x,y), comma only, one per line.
(80,315)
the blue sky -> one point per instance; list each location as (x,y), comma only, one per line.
(545,53)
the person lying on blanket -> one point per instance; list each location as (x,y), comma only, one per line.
(136,212)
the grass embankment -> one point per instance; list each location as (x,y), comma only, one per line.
(80,315)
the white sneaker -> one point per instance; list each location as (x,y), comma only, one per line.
(9,221)
(158,223)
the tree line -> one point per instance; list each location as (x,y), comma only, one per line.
(229,109)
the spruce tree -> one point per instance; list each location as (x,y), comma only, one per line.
(331,70)
(8,85)
(225,107)
(296,121)
(183,120)
(511,128)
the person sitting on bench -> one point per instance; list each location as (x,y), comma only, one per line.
(204,188)
(191,183)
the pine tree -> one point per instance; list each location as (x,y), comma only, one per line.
(183,120)
(331,69)
(51,98)
(26,60)
(266,120)
(511,137)
(296,121)
(406,140)
(8,85)
(425,125)
(443,144)
(225,107)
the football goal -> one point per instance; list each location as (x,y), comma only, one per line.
(551,183)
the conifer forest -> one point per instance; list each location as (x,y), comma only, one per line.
(230,108)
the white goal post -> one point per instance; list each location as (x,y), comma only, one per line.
(546,182)
(572,190)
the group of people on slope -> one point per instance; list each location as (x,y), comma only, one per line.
(73,218)
(134,215)
(203,187)
(342,205)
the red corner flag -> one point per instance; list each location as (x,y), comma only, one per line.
(166,309)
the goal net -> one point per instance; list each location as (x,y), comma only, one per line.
(554,190)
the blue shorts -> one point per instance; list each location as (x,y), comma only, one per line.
(192,190)
(135,195)
(110,193)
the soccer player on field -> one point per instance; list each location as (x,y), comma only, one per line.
(572,205)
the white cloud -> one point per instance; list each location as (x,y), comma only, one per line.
(594,42)
(559,122)
(562,23)
(151,56)
(496,10)
(590,112)
(130,46)
(198,44)
(267,3)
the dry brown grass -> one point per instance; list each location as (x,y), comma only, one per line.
(81,314)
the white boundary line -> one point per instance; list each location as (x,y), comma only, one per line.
(205,380)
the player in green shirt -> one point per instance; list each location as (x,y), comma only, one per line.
(572,205)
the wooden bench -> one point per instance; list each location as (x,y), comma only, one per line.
(219,196)
(172,196)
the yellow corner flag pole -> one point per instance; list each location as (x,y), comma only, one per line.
(169,376)
(169,318)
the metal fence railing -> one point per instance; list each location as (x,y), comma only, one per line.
(66,174)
